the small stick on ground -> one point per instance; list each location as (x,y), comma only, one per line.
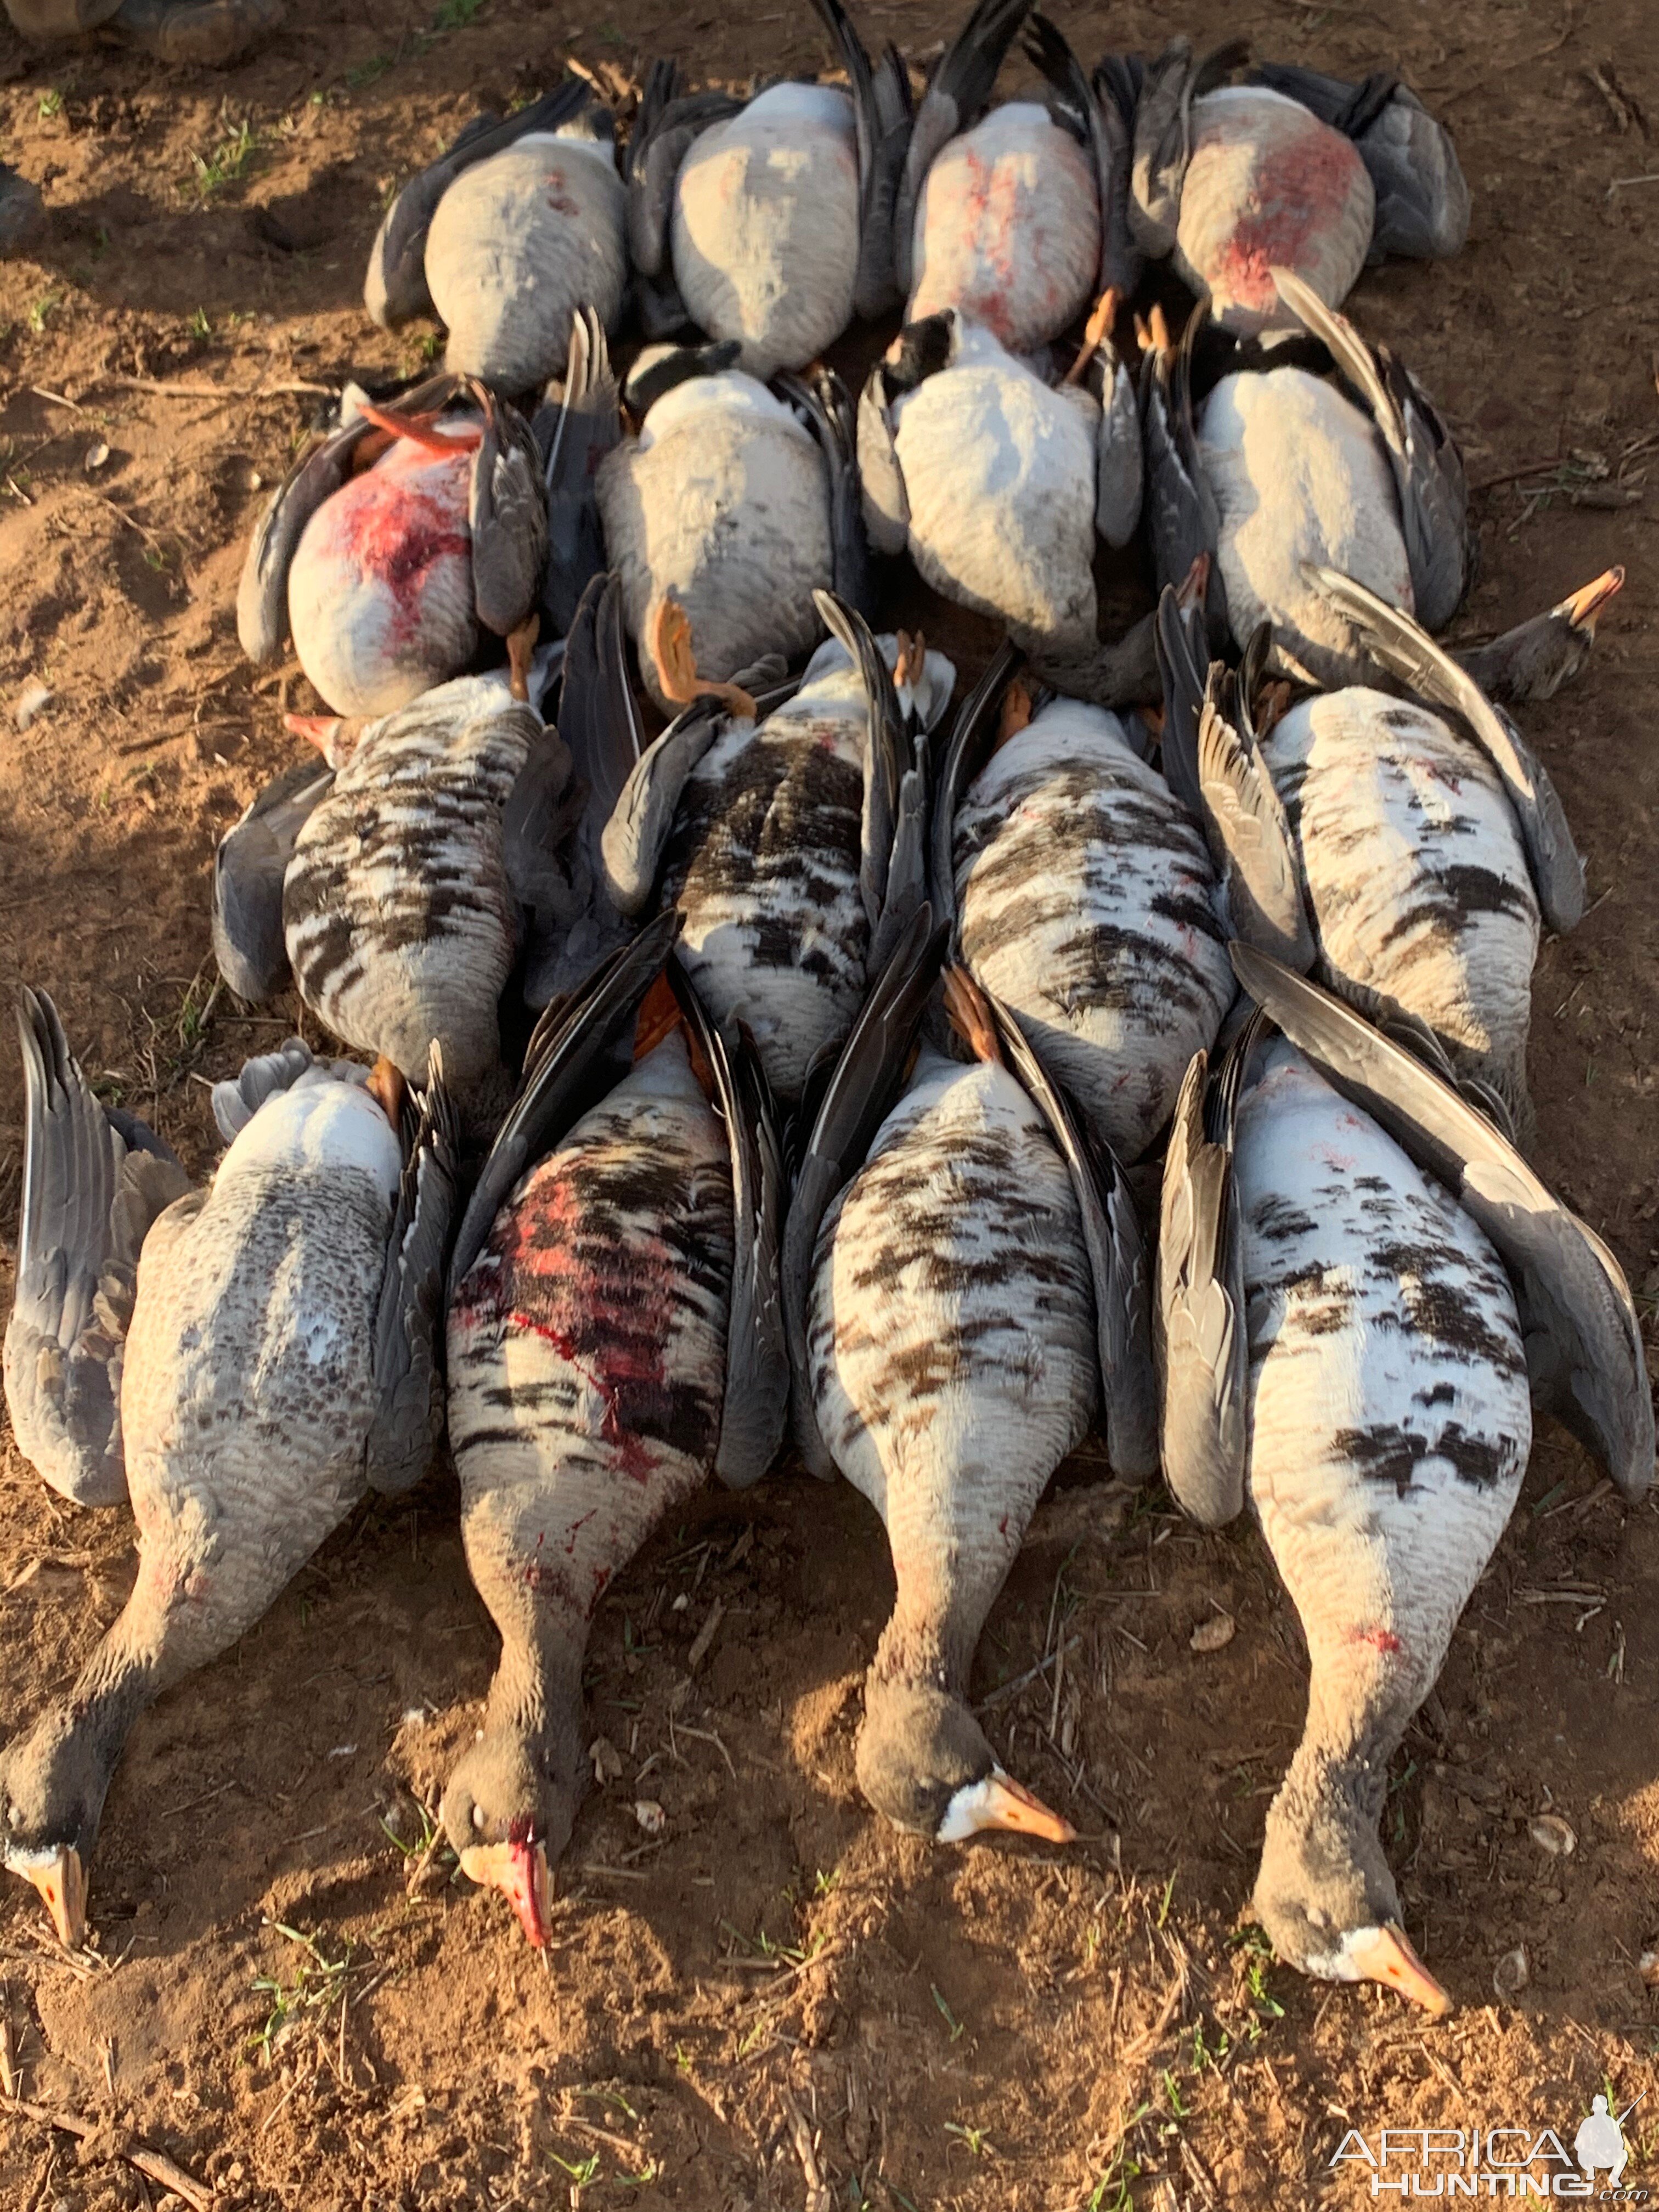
(8,2043)
(155,2164)
(819,2198)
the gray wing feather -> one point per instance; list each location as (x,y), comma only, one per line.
(1395,641)
(633,839)
(888,754)
(506,512)
(755,1410)
(1249,834)
(1102,124)
(408,1322)
(248,868)
(882,120)
(971,740)
(1117,1260)
(824,400)
(1583,1337)
(668,123)
(565,1062)
(262,592)
(1202,1342)
(886,503)
(91,1191)
(1120,464)
(865,1081)
(586,425)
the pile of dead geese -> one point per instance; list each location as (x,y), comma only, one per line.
(799,1075)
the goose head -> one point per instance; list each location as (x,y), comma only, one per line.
(925,1764)
(52,1785)
(1327,1901)
(510,1807)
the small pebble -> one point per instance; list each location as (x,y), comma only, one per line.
(1648,1966)
(1551,1833)
(1213,1634)
(650,1815)
(96,457)
(606,1759)
(1512,1974)
(31,702)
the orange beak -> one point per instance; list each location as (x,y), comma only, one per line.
(1583,609)
(62,1882)
(1387,1956)
(999,1802)
(519,1871)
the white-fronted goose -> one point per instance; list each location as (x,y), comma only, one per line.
(1082,897)
(279,1360)
(394,541)
(734,507)
(773,216)
(792,844)
(963,1283)
(1339,1338)
(614,1336)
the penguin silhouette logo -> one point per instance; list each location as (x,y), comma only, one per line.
(1600,2142)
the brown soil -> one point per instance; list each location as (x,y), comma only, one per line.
(777,1988)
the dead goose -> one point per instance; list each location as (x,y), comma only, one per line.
(614,1336)
(515,228)
(389,547)
(792,843)
(278,1361)
(735,507)
(456,848)
(94,1180)
(1004,222)
(962,1283)
(774,215)
(1284,172)
(1082,895)
(1410,840)
(995,482)
(1280,470)
(1339,1337)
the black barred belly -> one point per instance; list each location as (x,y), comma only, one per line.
(400,922)
(1390,1413)
(587,1343)
(1085,893)
(763,863)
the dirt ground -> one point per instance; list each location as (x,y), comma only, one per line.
(777,2001)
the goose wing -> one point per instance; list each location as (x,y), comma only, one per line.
(575,434)
(971,740)
(1095,115)
(823,397)
(1117,1259)
(668,121)
(755,1407)
(882,118)
(1397,644)
(1211,760)
(866,1080)
(249,865)
(1202,1340)
(566,1069)
(262,592)
(94,1182)
(408,1322)
(506,513)
(1584,1338)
